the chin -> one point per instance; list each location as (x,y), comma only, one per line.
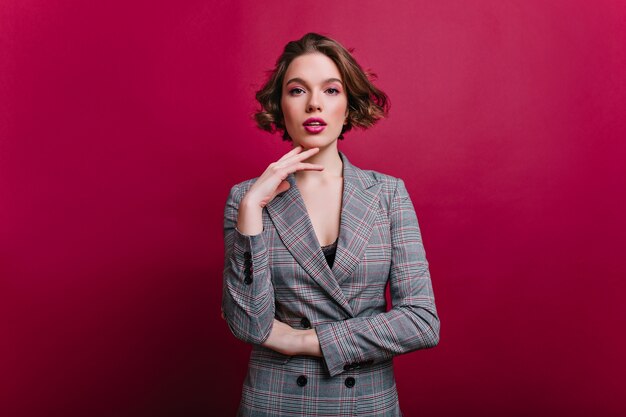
(312,141)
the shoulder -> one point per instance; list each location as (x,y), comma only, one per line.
(245,185)
(393,191)
(238,190)
(388,183)
(390,189)
(381,176)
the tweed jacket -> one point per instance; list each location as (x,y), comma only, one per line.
(282,273)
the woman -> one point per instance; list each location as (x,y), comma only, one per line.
(310,246)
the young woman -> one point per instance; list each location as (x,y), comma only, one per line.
(311,245)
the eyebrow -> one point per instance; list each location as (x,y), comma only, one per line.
(300,80)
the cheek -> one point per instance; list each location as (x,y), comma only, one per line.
(287,111)
(340,110)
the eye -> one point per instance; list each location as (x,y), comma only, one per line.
(294,90)
(333,89)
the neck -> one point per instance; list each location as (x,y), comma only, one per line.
(330,159)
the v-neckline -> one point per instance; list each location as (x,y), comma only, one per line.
(331,244)
(308,216)
(359,204)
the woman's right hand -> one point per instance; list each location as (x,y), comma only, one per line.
(271,183)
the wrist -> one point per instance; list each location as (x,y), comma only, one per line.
(249,203)
(249,218)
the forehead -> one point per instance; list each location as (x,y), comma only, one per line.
(314,67)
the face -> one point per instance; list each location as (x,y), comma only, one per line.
(312,88)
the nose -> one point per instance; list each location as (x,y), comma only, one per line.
(313,103)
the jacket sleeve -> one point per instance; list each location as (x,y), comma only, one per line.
(247,290)
(411,324)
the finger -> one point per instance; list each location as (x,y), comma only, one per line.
(292,152)
(304,166)
(298,157)
(308,153)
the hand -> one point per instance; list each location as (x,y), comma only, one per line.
(273,180)
(289,341)
(268,185)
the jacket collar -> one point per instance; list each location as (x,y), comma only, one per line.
(359,205)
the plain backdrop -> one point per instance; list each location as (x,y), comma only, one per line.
(123,126)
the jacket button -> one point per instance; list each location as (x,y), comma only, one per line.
(247,255)
(301,381)
(248,280)
(305,323)
(351,366)
(350,382)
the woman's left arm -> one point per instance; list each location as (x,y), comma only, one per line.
(289,341)
(411,324)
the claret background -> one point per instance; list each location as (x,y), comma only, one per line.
(123,125)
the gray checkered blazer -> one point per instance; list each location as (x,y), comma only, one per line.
(282,273)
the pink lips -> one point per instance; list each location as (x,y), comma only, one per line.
(317,127)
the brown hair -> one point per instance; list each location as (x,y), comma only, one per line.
(366,103)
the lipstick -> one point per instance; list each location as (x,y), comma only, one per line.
(314,125)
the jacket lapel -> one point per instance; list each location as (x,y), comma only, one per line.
(358,210)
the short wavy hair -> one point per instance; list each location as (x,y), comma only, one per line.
(366,103)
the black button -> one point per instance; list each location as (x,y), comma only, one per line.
(305,323)
(301,381)
(247,262)
(248,280)
(247,255)
(350,382)
(248,269)
(351,366)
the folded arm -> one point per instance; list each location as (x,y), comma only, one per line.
(411,324)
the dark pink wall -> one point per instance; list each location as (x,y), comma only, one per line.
(123,126)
